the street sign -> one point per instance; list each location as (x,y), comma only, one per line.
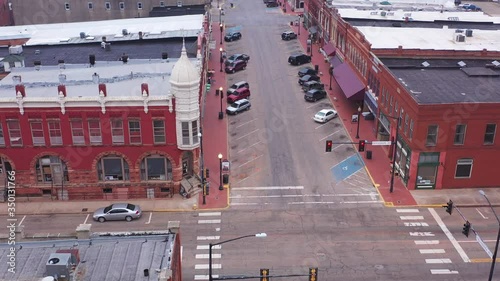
(381,143)
(485,248)
(208,87)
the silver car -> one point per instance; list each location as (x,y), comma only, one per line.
(118,211)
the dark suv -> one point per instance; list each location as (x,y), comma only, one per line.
(306,71)
(307,78)
(288,35)
(241,93)
(236,57)
(236,66)
(312,85)
(232,36)
(299,59)
(314,95)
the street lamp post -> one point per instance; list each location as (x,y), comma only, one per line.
(494,258)
(210,245)
(298,31)
(202,169)
(220,14)
(221,26)
(221,59)
(220,171)
(217,3)
(359,120)
(331,74)
(221,113)
(395,147)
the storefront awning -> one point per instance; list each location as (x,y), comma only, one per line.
(313,29)
(329,49)
(371,103)
(352,87)
(335,61)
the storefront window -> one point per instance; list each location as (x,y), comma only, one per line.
(428,164)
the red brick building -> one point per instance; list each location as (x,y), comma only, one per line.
(445,95)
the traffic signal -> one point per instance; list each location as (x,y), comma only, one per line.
(313,274)
(449,207)
(466,229)
(361,146)
(264,273)
(207,173)
(329,145)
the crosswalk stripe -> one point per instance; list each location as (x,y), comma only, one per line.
(205,266)
(209,214)
(426,242)
(443,271)
(421,234)
(205,247)
(204,277)
(411,217)
(267,187)
(208,221)
(206,256)
(416,224)
(207,237)
(432,251)
(407,210)
(437,261)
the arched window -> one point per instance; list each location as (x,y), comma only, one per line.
(156,167)
(51,169)
(112,168)
(4,168)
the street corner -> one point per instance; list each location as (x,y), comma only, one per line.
(347,167)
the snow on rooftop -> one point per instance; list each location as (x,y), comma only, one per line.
(429,38)
(55,33)
(420,16)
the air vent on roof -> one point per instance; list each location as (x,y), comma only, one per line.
(164,56)
(82,35)
(459,31)
(461,64)
(58,265)
(468,33)
(124,32)
(460,38)
(383,13)
(425,64)
(495,63)
(373,13)
(390,13)
(92,59)
(16,50)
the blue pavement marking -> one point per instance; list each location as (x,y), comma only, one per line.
(347,167)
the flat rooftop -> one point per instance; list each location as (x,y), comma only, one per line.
(445,82)
(123,258)
(430,38)
(113,30)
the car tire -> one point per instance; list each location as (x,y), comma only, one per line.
(128,218)
(101,219)
(234,70)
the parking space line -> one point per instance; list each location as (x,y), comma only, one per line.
(247,134)
(86,219)
(248,147)
(319,125)
(337,146)
(150,215)
(313,105)
(329,135)
(243,124)
(21,221)
(484,217)
(251,160)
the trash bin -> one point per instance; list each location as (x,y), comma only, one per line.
(291,23)
(225,179)
(316,68)
(368,154)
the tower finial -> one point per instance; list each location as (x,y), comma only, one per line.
(183,52)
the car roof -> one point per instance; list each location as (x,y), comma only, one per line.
(240,82)
(241,101)
(326,110)
(119,205)
(242,89)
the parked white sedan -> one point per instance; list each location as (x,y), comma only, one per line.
(325,115)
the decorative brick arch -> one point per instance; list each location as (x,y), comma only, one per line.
(8,159)
(49,153)
(107,153)
(157,152)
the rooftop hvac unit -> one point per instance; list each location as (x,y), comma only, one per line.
(124,32)
(16,50)
(459,31)
(460,38)
(82,35)
(468,33)
(383,13)
(59,266)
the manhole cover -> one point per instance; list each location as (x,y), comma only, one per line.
(85,209)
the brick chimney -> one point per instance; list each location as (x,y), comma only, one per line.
(61,90)
(20,91)
(144,89)
(102,90)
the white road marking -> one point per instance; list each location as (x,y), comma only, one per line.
(243,124)
(204,277)
(452,239)
(312,105)
(217,229)
(432,251)
(320,126)
(250,160)
(239,151)
(411,217)
(416,224)
(247,134)
(149,220)
(443,271)
(484,217)
(21,222)
(236,203)
(346,202)
(426,242)
(267,187)
(207,237)
(205,247)
(329,135)
(205,256)
(208,221)
(239,196)
(333,148)
(205,266)
(421,234)
(407,210)
(84,222)
(437,261)
(209,214)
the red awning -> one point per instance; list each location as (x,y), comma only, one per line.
(329,49)
(349,82)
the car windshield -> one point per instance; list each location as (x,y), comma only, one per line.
(235,105)
(233,57)
(306,77)
(131,206)
(321,114)
(107,209)
(234,86)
